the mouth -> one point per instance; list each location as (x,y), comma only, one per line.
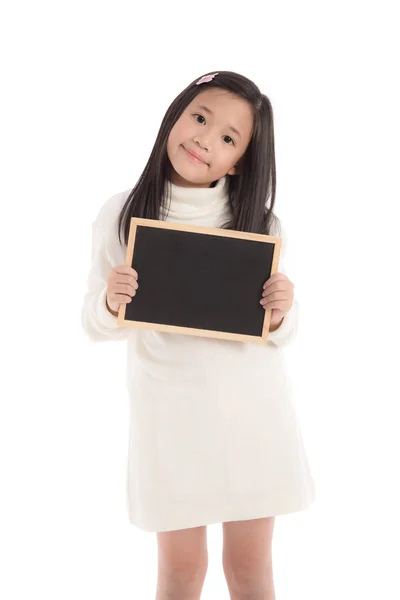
(194,156)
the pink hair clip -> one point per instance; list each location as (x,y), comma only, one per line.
(206,78)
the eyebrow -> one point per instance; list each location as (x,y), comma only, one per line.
(207,110)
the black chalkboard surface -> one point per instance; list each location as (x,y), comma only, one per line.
(199,281)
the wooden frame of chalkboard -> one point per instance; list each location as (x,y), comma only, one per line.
(163,244)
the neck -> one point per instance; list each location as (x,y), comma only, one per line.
(182,199)
(180,181)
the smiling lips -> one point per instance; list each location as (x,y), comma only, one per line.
(194,156)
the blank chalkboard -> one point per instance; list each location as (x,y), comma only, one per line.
(199,281)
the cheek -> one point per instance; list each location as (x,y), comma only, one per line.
(175,138)
(226,158)
(174,141)
(171,138)
(169,144)
(182,130)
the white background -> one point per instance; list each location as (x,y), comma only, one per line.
(84,89)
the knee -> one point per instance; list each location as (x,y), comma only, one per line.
(182,579)
(186,573)
(246,583)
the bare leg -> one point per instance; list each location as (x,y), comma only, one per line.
(182,563)
(247,559)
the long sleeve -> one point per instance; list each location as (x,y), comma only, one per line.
(98,323)
(288,329)
(286,333)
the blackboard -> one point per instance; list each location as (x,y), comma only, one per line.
(199,281)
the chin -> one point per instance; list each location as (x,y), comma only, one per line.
(189,176)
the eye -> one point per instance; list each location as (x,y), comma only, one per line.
(197,117)
(228,140)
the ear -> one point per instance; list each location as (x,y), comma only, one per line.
(237,169)
(233,171)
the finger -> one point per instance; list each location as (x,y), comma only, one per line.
(120,298)
(284,300)
(276,277)
(125,288)
(279,295)
(126,270)
(127,279)
(277,304)
(278,286)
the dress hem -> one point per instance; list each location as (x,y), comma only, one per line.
(223,516)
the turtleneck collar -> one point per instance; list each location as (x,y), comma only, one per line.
(196,201)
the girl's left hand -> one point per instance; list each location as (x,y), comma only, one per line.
(277,295)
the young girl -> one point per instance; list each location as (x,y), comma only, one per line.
(213,434)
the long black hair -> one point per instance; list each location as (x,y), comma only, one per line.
(251,192)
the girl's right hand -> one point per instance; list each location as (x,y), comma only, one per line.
(121,286)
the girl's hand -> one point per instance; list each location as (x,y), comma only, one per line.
(277,295)
(121,286)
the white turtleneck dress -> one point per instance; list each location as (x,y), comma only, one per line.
(213,433)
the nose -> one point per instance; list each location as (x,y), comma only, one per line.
(203,141)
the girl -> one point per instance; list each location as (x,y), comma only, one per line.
(213,434)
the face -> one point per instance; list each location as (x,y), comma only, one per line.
(209,138)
